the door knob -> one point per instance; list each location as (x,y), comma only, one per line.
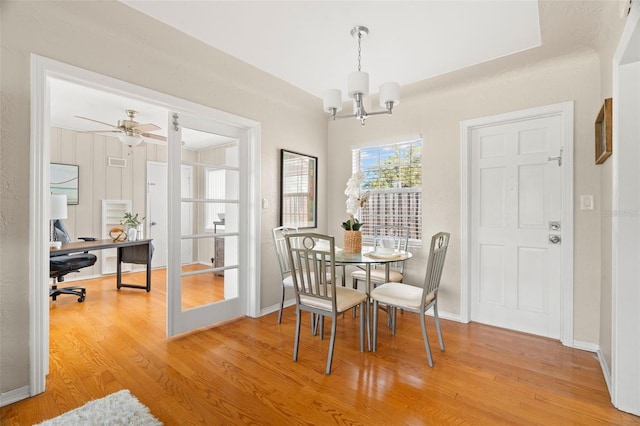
(554,239)
(153,223)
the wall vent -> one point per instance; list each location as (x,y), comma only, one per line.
(117,162)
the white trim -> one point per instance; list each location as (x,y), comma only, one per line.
(585,346)
(14,395)
(605,369)
(565,110)
(43,68)
(625,241)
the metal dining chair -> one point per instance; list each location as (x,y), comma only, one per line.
(415,299)
(283,261)
(313,270)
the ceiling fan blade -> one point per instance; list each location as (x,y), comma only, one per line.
(99,131)
(142,128)
(152,136)
(96,121)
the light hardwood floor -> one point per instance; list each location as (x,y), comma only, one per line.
(242,372)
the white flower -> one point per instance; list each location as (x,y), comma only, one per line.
(355,199)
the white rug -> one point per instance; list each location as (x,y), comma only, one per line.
(120,408)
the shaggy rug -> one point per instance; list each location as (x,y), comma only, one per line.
(120,408)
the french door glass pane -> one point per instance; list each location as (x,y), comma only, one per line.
(209,218)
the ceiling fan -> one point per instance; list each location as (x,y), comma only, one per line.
(131,132)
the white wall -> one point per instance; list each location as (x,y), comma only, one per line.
(435,110)
(114,40)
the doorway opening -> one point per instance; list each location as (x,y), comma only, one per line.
(43,71)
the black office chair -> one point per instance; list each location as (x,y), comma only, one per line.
(61,265)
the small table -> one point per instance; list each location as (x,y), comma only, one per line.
(86,246)
(368,258)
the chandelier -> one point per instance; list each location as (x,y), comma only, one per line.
(358,88)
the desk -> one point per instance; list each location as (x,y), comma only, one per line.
(82,246)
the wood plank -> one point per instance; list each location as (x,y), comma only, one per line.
(242,372)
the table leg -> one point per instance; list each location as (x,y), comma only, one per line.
(119,268)
(149,267)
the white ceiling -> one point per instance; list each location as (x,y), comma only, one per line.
(308,43)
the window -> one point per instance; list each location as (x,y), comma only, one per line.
(393,177)
(215,190)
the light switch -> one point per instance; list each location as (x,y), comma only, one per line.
(586,202)
(265,203)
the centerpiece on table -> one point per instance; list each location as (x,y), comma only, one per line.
(135,226)
(355,200)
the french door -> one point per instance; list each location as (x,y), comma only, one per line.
(207,290)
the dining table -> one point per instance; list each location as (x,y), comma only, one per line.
(368,257)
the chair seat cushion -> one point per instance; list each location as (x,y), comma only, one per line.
(346,298)
(377,276)
(401,295)
(60,265)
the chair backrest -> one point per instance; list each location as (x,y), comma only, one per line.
(281,248)
(396,235)
(312,260)
(437,254)
(60,232)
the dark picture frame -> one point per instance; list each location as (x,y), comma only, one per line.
(64,180)
(604,146)
(298,189)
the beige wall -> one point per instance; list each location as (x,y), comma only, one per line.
(98,181)
(112,39)
(436,113)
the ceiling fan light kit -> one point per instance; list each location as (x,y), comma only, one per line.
(358,88)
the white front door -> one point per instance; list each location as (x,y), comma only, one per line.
(203,293)
(516,225)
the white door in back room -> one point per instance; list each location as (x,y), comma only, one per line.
(157,212)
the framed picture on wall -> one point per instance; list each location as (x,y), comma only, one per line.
(604,132)
(298,190)
(63,179)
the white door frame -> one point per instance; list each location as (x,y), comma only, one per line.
(43,68)
(625,225)
(565,110)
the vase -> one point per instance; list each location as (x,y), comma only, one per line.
(131,233)
(352,242)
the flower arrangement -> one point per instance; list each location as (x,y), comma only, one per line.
(131,220)
(355,200)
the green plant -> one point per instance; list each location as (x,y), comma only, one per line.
(131,220)
(351,225)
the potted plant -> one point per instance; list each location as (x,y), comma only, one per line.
(355,200)
(135,226)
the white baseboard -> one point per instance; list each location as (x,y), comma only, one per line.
(274,308)
(605,370)
(585,346)
(14,395)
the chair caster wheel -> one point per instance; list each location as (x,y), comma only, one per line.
(81,299)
